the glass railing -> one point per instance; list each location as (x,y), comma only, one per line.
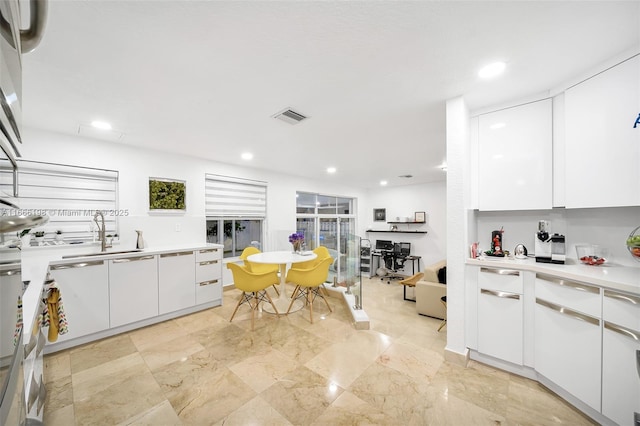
(351,277)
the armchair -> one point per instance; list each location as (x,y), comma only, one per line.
(429,290)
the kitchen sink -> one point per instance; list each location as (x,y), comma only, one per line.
(101,253)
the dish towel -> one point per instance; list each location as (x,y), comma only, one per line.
(19,322)
(53,315)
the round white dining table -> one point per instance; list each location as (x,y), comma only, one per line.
(282,258)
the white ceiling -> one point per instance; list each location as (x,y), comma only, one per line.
(204,77)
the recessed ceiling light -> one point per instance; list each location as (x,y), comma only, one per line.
(383,182)
(443,166)
(246,156)
(492,70)
(331,169)
(497,126)
(103,125)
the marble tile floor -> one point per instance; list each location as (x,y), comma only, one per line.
(202,370)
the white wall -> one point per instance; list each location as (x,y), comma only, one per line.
(404,202)
(458,125)
(135,166)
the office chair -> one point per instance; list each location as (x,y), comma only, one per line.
(394,261)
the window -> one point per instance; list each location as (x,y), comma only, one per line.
(235,209)
(326,220)
(69,195)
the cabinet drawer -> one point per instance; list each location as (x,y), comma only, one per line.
(500,279)
(622,309)
(208,291)
(204,255)
(208,270)
(580,297)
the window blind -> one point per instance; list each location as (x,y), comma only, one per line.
(235,197)
(69,195)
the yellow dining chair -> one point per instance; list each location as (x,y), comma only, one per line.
(308,283)
(322,253)
(254,288)
(258,267)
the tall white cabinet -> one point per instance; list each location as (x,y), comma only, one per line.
(602,151)
(515,168)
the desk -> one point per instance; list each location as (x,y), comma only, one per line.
(282,258)
(413,259)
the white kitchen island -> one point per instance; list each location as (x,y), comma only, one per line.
(110,293)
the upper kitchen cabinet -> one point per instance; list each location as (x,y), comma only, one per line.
(602,154)
(515,158)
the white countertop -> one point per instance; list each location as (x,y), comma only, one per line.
(611,276)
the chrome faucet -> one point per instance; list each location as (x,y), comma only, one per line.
(101,230)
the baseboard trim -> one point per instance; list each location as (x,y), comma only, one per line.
(457,358)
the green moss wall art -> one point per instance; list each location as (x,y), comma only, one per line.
(167,194)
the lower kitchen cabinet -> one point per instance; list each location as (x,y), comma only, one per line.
(176,275)
(568,350)
(208,278)
(621,374)
(500,314)
(84,288)
(621,357)
(133,289)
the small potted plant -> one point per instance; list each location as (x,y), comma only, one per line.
(59,236)
(39,236)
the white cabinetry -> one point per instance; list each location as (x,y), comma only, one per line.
(208,280)
(11,281)
(133,289)
(500,314)
(621,358)
(515,158)
(602,146)
(568,339)
(84,287)
(176,274)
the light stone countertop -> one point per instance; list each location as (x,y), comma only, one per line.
(610,276)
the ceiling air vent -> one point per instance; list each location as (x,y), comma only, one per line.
(406,176)
(290,116)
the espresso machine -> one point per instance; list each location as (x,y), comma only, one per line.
(550,248)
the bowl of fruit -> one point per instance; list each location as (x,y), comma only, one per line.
(633,243)
(591,254)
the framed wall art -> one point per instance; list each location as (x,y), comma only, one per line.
(379,215)
(167,195)
(419,217)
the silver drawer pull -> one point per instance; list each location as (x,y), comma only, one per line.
(570,284)
(635,335)
(500,271)
(180,253)
(209,262)
(635,300)
(502,294)
(9,272)
(77,265)
(203,283)
(132,259)
(215,250)
(568,312)
(638,362)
